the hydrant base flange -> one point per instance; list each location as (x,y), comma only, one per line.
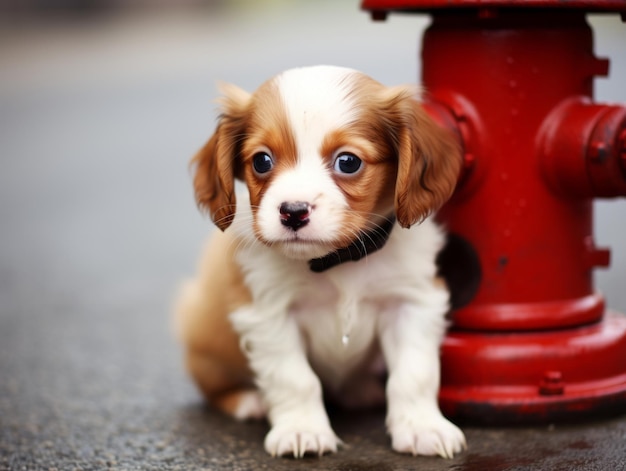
(538,377)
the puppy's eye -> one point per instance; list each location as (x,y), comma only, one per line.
(262,162)
(347,163)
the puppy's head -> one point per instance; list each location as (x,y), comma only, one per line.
(326,153)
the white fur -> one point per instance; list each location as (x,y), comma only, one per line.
(312,113)
(250,406)
(306,329)
(293,335)
(311,182)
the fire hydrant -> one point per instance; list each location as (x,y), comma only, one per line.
(533,340)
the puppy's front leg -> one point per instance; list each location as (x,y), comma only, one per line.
(410,338)
(290,388)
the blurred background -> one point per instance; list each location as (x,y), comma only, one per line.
(102,104)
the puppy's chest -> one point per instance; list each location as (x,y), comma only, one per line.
(336,319)
(319,296)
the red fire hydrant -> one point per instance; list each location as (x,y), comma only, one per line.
(514,80)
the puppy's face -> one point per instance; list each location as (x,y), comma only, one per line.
(326,153)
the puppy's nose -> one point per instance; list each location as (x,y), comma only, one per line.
(295,215)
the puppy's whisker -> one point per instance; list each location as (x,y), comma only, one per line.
(370,215)
(229,209)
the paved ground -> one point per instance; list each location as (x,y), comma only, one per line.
(98,117)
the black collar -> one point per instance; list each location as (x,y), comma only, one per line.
(366,243)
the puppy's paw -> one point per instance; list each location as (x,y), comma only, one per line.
(428,435)
(242,404)
(299,439)
(250,406)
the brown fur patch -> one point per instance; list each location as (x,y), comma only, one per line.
(216,164)
(268,130)
(427,156)
(429,162)
(369,191)
(214,357)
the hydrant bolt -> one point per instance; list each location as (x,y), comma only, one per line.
(552,384)
(598,152)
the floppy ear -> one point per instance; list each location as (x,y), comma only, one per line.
(216,163)
(429,162)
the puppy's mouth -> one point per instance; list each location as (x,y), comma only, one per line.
(300,248)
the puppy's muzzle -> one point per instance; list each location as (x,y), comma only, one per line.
(295,215)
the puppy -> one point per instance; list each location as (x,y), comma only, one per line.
(315,276)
